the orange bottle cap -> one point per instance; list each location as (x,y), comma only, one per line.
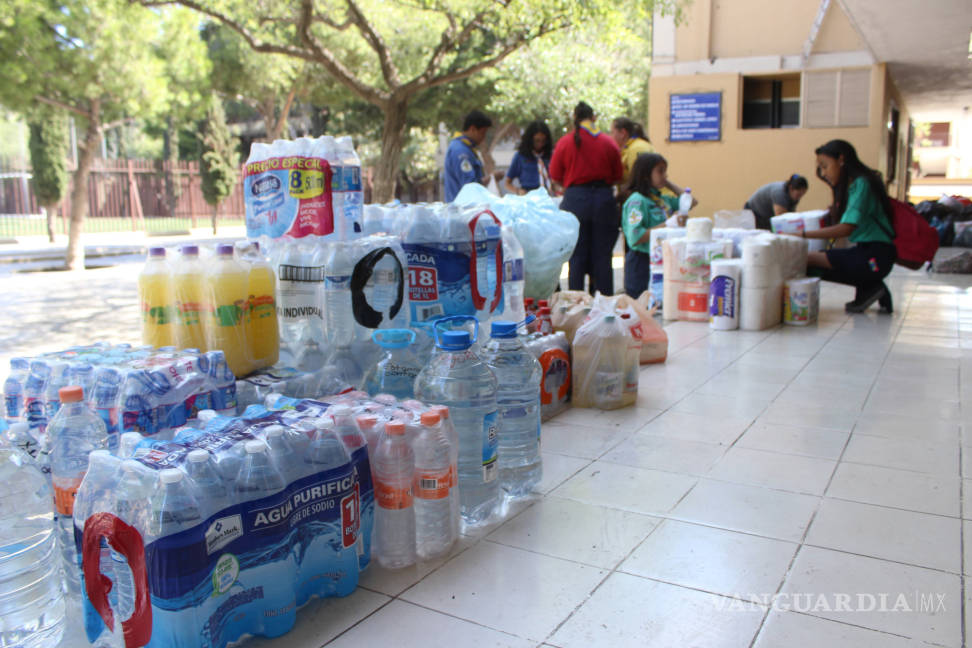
(71,394)
(430,418)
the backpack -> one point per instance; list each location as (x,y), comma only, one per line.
(916,241)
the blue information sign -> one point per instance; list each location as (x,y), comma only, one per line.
(695,117)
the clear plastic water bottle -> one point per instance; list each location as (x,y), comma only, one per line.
(13,389)
(395,372)
(282,452)
(394,466)
(258,476)
(431,487)
(173,505)
(75,431)
(224,384)
(105,400)
(326,450)
(685,201)
(338,316)
(453,436)
(82,374)
(518,374)
(300,277)
(18,436)
(35,399)
(211,490)
(58,379)
(31,599)
(132,506)
(347,190)
(514,281)
(457,378)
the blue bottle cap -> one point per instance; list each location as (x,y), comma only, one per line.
(501,329)
(454,340)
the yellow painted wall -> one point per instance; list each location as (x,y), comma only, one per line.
(836,33)
(896,189)
(724,174)
(692,35)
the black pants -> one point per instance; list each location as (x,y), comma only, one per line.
(637,273)
(597,213)
(863,266)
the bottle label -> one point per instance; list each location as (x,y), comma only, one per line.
(490,446)
(36,419)
(555,382)
(288,196)
(157,315)
(513,270)
(64,495)
(228,315)
(261,307)
(13,404)
(433,484)
(298,289)
(722,293)
(392,498)
(189,312)
(608,386)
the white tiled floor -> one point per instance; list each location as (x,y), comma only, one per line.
(795,487)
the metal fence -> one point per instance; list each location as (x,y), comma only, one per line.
(123,195)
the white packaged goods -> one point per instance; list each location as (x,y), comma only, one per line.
(698,229)
(794,256)
(657,283)
(787,224)
(801,301)
(724,294)
(814,220)
(737,236)
(606,363)
(742,219)
(687,276)
(760,308)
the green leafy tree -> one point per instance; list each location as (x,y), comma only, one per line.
(89,58)
(388,52)
(48,161)
(220,159)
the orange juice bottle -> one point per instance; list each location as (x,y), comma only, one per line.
(262,330)
(227,284)
(156,298)
(188,281)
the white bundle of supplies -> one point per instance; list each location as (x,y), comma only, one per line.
(737,236)
(799,222)
(734,219)
(687,266)
(724,294)
(761,295)
(657,284)
(801,301)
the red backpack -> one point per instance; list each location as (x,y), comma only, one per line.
(915,240)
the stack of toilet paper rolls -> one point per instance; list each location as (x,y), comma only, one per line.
(687,271)
(761,294)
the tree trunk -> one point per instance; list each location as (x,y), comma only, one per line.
(74,260)
(215,218)
(170,153)
(49,215)
(392,141)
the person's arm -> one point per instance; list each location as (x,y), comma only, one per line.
(779,209)
(633,216)
(834,231)
(675,189)
(557,163)
(512,188)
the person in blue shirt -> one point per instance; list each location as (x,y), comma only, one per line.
(462,163)
(531,162)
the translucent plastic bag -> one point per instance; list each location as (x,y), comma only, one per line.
(568,310)
(605,369)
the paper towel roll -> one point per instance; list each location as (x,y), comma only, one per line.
(801,301)
(759,308)
(724,294)
(761,276)
(698,229)
(791,223)
(657,236)
(757,252)
(794,256)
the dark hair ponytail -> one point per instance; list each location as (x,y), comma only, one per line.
(582,111)
(795,181)
(640,180)
(852,169)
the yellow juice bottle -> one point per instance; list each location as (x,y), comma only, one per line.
(188,281)
(262,329)
(227,283)
(156,298)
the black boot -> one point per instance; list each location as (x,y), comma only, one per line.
(885,302)
(868,297)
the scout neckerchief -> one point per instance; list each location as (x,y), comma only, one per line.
(542,171)
(589,126)
(469,143)
(655,196)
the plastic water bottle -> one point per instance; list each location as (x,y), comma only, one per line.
(58,379)
(104,401)
(131,505)
(395,372)
(394,465)
(300,277)
(31,600)
(13,389)
(18,436)
(224,384)
(338,317)
(457,378)
(258,476)
(453,436)
(518,374)
(35,399)
(431,487)
(173,505)
(211,490)
(514,282)
(81,374)
(347,194)
(75,431)
(284,457)
(326,450)
(685,201)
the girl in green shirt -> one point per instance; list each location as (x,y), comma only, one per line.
(646,209)
(863,208)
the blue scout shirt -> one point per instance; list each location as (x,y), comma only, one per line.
(526,169)
(462,166)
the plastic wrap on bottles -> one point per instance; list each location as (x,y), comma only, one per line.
(378,285)
(294,521)
(553,354)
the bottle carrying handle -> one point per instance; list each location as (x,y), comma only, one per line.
(364,314)
(479,301)
(455,318)
(377,334)
(127,541)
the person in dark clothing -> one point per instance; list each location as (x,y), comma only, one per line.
(462,162)
(776,198)
(587,163)
(863,208)
(530,166)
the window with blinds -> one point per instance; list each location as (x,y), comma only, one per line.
(836,98)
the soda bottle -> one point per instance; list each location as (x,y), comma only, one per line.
(75,432)
(262,331)
(394,466)
(518,376)
(156,297)
(188,288)
(226,284)
(431,487)
(457,378)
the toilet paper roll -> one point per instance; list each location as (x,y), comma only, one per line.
(724,294)
(757,252)
(759,308)
(692,301)
(699,229)
(801,301)
(761,276)
(794,256)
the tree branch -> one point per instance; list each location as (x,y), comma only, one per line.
(449,40)
(374,39)
(285,111)
(63,106)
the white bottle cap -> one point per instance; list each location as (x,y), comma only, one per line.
(170,476)
(206,415)
(255,446)
(198,456)
(274,431)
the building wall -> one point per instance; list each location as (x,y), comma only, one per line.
(724,174)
